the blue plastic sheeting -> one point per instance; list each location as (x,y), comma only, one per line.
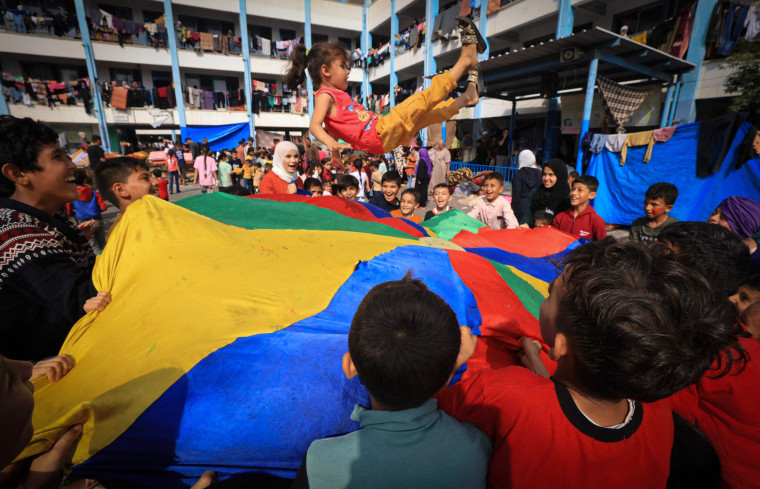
(219,137)
(254,406)
(620,198)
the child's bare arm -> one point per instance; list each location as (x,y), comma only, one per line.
(322,106)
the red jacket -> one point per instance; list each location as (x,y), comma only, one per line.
(588,225)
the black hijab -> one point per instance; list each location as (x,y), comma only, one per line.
(557,198)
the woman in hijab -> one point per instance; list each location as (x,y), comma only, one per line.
(741,216)
(527,177)
(282,178)
(552,196)
(423,172)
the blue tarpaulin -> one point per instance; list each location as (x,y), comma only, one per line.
(620,198)
(219,137)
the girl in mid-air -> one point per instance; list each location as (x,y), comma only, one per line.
(329,65)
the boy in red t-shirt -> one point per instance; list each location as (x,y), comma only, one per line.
(581,220)
(163,185)
(620,338)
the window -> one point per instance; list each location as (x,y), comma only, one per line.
(122,74)
(287,34)
(261,31)
(120,12)
(644,18)
(315,38)
(150,16)
(346,41)
(188,22)
(161,79)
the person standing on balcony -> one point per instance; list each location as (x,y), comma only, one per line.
(502,149)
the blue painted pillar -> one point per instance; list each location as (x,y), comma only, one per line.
(366,46)
(97,100)
(4,107)
(307,42)
(247,68)
(175,63)
(553,131)
(429,64)
(666,106)
(686,103)
(394,31)
(483,28)
(512,129)
(587,103)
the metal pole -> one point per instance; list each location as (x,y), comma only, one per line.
(307,42)
(392,47)
(97,101)
(175,63)
(512,129)
(247,67)
(553,117)
(587,103)
(666,106)
(674,106)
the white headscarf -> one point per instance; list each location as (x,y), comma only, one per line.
(526,158)
(280,151)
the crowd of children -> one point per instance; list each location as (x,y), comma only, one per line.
(654,342)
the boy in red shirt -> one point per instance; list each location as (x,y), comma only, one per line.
(163,185)
(581,220)
(620,339)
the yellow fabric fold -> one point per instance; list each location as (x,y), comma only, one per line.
(183,286)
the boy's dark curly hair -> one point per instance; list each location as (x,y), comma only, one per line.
(21,141)
(404,342)
(641,325)
(712,251)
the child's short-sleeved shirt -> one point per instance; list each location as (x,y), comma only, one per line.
(541,439)
(640,230)
(413,217)
(224,174)
(352,122)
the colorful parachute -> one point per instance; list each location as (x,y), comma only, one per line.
(222,346)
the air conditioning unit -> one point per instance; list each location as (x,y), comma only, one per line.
(570,54)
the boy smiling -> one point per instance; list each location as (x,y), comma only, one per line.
(387,198)
(581,220)
(491,209)
(658,202)
(441,197)
(409,202)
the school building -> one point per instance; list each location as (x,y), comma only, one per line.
(188,63)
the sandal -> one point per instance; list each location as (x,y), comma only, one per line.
(474,77)
(471,34)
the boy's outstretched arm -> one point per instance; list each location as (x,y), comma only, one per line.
(322,105)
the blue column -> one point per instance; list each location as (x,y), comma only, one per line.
(686,99)
(4,107)
(175,63)
(89,57)
(482,27)
(553,116)
(429,64)
(247,68)
(394,31)
(666,106)
(512,129)
(587,103)
(307,42)
(366,46)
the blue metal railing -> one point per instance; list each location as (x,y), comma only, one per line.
(507,171)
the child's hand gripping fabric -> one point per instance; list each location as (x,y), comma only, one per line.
(97,303)
(54,368)
(530,357)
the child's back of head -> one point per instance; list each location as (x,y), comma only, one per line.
(80,177)
(639,324)
(404,342)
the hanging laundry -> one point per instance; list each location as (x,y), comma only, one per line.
(615,142)
(664,134)
(119,98)
(643,138)
(753,22)
(207,42)
(620,101)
